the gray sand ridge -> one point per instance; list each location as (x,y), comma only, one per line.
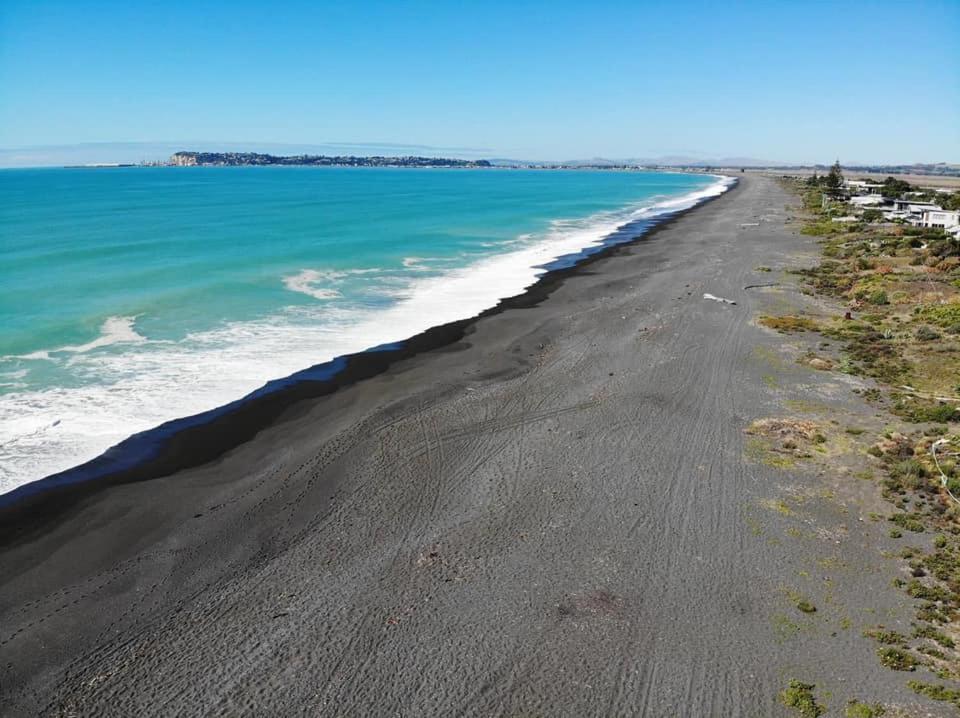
(552,517)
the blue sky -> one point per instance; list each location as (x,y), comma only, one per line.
(785,81)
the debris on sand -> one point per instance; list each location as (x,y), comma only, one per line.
(760,286)
(718,299)
(815,362)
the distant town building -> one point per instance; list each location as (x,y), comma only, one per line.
(184,159)
(863,186)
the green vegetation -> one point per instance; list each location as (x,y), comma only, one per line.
(831,183)
(799,696)
(915,589)
(921,411)
(823,228)
(908,522)
(856,709)
(893,187)
(943,315)
(897,321)
(936,692)
(933,634)
(889,638)
(897,659)
(789,323)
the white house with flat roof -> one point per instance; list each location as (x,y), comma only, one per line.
(913,206)
(939,218)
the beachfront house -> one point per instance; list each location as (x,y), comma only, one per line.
(939,218)
(912,206)
(908,210)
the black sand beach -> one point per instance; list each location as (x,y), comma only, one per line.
(552,515)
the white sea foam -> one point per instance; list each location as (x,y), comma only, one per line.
(115,330)
(416,263)
(43,432)
(304,282)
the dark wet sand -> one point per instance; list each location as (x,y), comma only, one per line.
(551,516)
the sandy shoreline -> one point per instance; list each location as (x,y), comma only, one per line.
(550,514)
(193,440)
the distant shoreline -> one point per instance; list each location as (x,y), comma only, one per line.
(945,174)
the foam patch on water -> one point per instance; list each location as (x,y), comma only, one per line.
(148,383)
(304,283)
(414,263)
(115,330)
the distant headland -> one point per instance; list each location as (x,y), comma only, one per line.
(243,159)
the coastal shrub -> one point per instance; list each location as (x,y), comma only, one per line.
(888,638)
(934,635)
(823,228)
(915,589)
(799,696)
(910,522)
(944,566)
(878,297)
(897,659)
(856,709)
(943,315)
(909,473)
(871,351)
(935,692)
(938,246)
(921,411)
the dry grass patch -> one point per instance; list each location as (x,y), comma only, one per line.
(779,441)
(789,323)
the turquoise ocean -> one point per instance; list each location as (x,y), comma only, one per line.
(133,296)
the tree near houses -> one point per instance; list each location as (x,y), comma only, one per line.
(834,180)
(893,187)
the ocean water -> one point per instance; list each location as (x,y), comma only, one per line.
(129,297)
